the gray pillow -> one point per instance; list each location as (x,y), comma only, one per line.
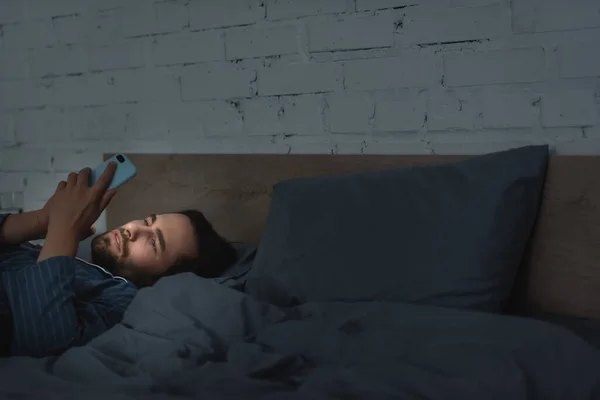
(450,235)
(235,275)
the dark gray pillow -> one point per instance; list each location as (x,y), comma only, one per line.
(235,275)
(449,235)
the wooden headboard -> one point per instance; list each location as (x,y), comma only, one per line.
(233,191)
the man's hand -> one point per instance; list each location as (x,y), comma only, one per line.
(43,218)
(72,210)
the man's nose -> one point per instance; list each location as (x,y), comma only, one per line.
(134,232)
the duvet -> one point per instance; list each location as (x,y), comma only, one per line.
(187,337)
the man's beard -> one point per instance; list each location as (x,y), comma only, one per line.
(103,256)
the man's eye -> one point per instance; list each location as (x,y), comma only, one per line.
(146,222)
(154,244)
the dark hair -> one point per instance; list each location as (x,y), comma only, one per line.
(214,253)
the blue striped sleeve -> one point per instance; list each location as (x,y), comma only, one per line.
(45,312)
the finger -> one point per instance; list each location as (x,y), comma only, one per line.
(106,178)
(83,178)
(61,185)
(72,179)
(106,199)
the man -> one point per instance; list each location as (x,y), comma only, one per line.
(51,300)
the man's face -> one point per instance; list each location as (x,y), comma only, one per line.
(144,249)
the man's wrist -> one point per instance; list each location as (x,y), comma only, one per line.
(41,223)
(59,242)
(62,235)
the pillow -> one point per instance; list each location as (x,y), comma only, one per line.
(235,276)
(450,235)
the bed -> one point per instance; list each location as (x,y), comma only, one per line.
(303,337)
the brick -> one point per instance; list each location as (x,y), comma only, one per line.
(494,67)
(29,35)
(184,121)
(299,78)
(46,9)
(12,201)
(71,161)
(405,113)
(355,33)
(348,148)
(7,129)
(219,81)
(255,42)
(147,121)
(189,48)
(224,13)
(14,65)
(385,73)
(39,187)
(11,182)
(145,85)
(241,145)
(103,5)
(366,5)
(350,113)
(508,109)
(103,29)
(579,60)
(207,118)
(172,16)
(59,60)
(286,9)
(554,15)
(155,18)
(86,90)
(423,25)
(11,11)
(262,115)
(138,20)
(39,126)
(396,147)
(311,148)
(17,160)
(126,54)
(303,115)
(220,118)
(586,146)
(451,110)
(70,30)
(97,30)
(21,94)
(93,123)
(568,108)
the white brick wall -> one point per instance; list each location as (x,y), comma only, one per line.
(82,77)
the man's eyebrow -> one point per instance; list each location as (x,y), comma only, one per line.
(159,233)
(161,239)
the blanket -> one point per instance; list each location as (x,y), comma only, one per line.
(187,337)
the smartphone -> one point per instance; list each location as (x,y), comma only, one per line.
(125,171)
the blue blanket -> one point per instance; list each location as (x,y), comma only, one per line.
(191,337)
